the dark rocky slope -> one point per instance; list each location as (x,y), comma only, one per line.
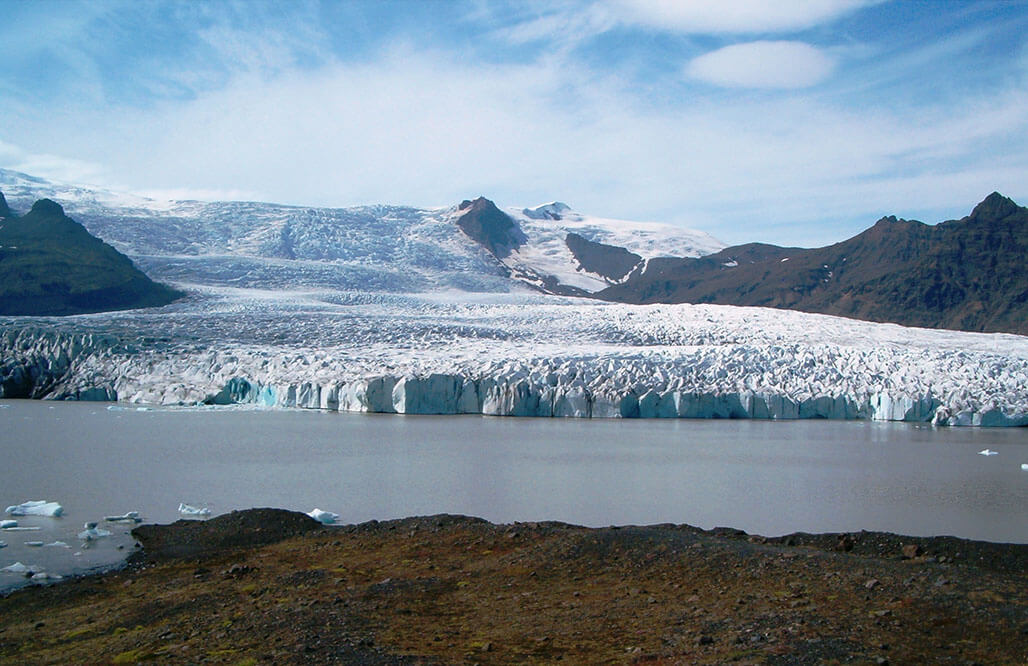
(968,274)
(486,224)
(50,265)
(610,261)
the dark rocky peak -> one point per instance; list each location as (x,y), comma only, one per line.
(995,207)
(489,226)
(5,210)
(48,208)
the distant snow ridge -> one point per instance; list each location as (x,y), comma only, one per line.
(523,356)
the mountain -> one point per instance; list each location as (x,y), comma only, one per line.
(473,246)
(968,274)
(50,265)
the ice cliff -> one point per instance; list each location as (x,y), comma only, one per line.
(519,356)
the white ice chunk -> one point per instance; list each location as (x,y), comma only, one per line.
(36,508)
(129,517)
(91,532)
(1024,466)
(20,568)
(56,544)
(3,544)
(34,544)
(188,510)
(22,529)
(987,452)
(7,524)
(324,517)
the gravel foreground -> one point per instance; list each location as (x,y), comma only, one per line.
(269,586)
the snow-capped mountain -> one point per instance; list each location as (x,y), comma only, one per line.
(378,248)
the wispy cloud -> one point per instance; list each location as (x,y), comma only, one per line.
(591,103)
(762,64)
(45,165)
(734,16)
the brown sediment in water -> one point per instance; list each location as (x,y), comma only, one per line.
(270,586)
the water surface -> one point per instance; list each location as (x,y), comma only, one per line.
(764,477)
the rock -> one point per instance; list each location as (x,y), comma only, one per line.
(911,550)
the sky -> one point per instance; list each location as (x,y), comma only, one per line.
(795,122)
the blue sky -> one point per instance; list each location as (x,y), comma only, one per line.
(795,122)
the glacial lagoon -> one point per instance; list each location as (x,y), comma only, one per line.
(766,477)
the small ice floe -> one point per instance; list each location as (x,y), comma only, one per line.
(34,544)
(19,568)
(36,508)
(188,510)
(44,576)
(324,517)
(3,544)
(91,532)
(1024,466)
(8,524)
(130,517)
(56,544)
(22,529)
(987,452)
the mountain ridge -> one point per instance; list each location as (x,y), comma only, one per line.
(967,274)
(51,265)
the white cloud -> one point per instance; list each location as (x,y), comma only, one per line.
(735,16)
(762,65)
(53,167)
(423,128)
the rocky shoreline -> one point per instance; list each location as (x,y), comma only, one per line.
(272,586)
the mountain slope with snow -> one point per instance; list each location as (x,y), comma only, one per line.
(379,248)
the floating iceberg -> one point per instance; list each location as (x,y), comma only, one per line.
(324,517)
(3,544)
(129,517)
(988,452)
(8,524)
(188,510)
(42,575)
(20,568)
(91,532)
(36,508)
(56,544)
(34,544)
(1024,466)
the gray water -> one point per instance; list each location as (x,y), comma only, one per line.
(764,477)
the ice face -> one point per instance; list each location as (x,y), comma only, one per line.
(518,355)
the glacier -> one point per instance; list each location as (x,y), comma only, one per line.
(516,355)
(391,309)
